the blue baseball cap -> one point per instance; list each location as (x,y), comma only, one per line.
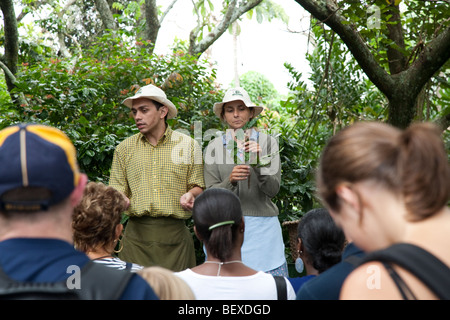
(38,167)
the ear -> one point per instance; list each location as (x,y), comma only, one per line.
(197,235)
(346,193)
(119,229)
(351,202)
(252,114)
(164,111)
(299,244)
(77,193)
(242,227)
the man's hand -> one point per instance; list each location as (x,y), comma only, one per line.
(127,200)
(187,201)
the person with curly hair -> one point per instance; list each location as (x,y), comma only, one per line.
(97,225)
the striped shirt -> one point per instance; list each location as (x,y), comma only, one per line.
(118,264)
(155,177)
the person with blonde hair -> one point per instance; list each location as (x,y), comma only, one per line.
(97,228)
(389,189)
(166,284)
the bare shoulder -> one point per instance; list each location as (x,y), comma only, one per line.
(370,281)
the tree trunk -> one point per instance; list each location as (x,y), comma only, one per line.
(11,56)
(152,24)
(105,14)
(401,109)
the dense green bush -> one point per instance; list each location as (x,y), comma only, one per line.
(83,96)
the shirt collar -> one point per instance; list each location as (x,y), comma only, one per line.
(165,137)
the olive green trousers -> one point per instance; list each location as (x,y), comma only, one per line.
(164,242)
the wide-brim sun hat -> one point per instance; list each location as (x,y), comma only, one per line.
(234,94)
(154,93)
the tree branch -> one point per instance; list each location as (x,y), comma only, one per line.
(212,36)
(444,122)
(8,74)
(12,79)
(194,32)
(329,15)
(232,14)
(167,11)
(396,58)
(433,56)
(61,34)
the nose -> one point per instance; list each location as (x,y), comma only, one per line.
(137,115)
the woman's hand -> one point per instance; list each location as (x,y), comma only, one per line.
(252,146)
(240,172)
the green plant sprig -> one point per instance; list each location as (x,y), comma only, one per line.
(250,158)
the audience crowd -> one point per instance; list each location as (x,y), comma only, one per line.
(384,191)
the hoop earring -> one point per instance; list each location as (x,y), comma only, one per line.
(120,247)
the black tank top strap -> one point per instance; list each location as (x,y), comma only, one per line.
(405,291)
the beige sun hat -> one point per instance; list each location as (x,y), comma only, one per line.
(154,93)
(234,94)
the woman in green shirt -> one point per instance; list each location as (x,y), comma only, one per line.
(228,164)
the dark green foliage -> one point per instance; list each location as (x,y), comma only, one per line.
(84,97)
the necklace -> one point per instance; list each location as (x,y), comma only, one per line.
(220,263)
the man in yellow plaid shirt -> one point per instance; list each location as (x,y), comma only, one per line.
(160,171)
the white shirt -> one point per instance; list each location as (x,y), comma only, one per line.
(260,286)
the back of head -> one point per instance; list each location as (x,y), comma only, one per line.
(321,238)
(96,216)
(38,168)
(425,170)
(166,284)
(217,217)
(410,163)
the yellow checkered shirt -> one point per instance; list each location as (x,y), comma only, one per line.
(155,177)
